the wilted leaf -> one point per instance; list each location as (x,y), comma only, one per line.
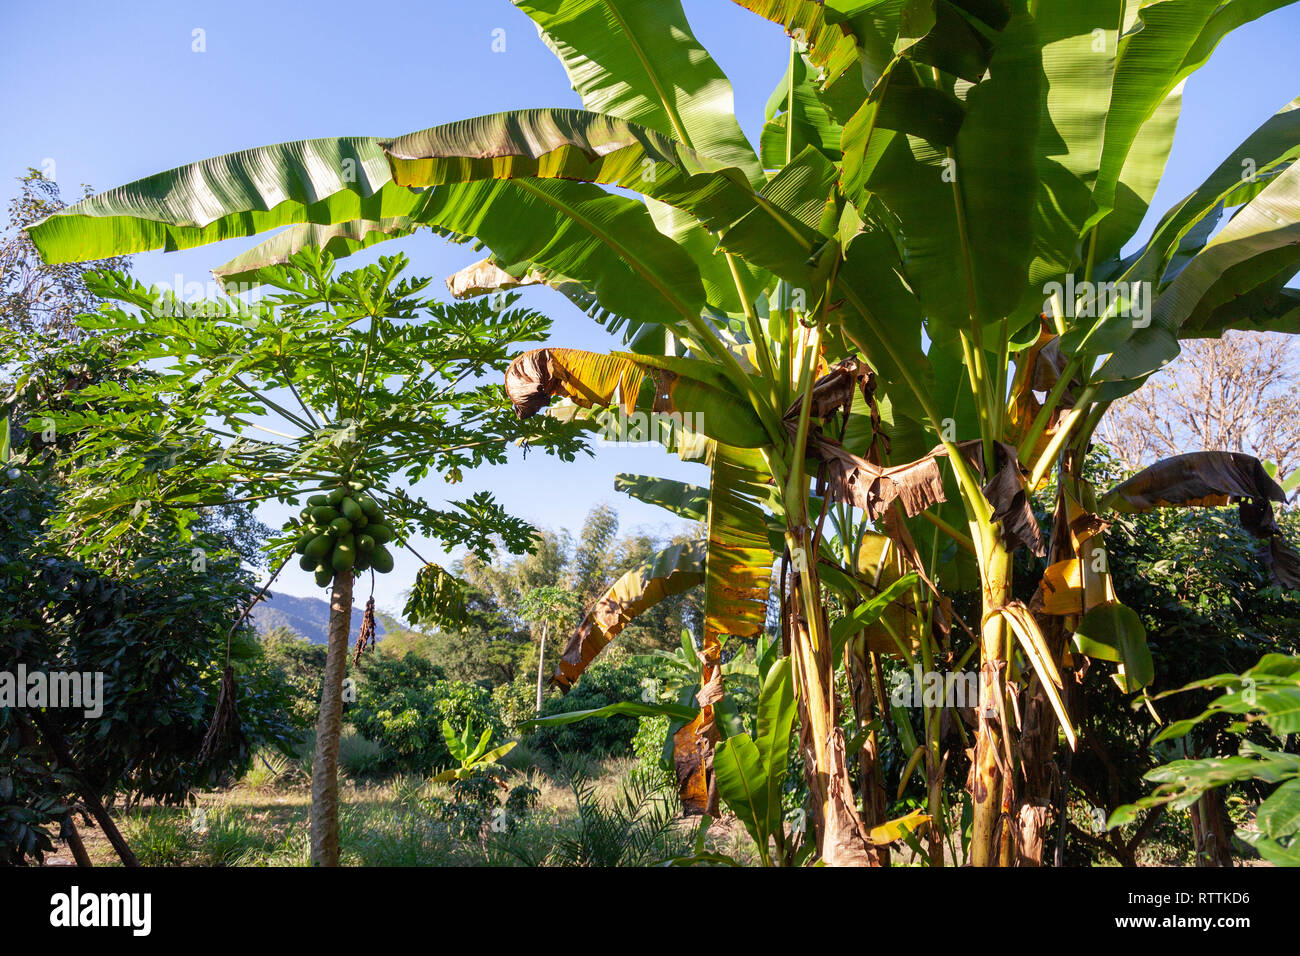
(693,762)
(669,572)
(1212,478)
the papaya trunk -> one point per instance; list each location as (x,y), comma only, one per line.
(541,667)
(329,725)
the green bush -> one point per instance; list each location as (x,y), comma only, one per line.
(607,681)
(401,704)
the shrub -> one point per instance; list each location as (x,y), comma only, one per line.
(401,704)
(605,682)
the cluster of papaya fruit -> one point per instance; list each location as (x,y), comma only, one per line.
(343,530)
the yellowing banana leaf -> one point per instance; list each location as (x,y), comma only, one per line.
(1031,639)
(881,565)
(588,378)
(1061,591)
(739,562)
(681,386)
(895,830)
(671,571)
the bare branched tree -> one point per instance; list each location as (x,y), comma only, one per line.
(35,298)
(1238,393)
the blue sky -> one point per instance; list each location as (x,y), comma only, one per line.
(108,93)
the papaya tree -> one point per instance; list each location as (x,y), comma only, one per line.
(862,312)
(336,393)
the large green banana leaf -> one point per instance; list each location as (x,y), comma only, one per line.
(1173,39)
(320,181)
(684,500)
(965,205)
(1260,245)
(751,770)
(638,60)
(772,227)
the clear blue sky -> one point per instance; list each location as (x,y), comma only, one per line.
(111,92)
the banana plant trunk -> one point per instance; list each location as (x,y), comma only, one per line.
(990,792)
(861,668)
(1210,831)
(842,838)
(329,725)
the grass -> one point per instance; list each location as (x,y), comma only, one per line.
(409,821)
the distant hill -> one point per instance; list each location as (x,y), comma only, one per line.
(307,616)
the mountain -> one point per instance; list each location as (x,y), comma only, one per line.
(307,616)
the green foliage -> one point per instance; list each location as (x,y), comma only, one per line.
(472,759)
(1267,694)
(372,394)
(638,826)
(299,665)
(609,681)
(751,770)
(401,705)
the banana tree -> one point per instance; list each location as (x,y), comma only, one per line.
(934,219)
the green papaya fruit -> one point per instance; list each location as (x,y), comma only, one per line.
(336,495)
(323,514)
(343,557)
(307,562)
(365,543)
(316,501)
(300,546)
(380,532)
(349,509)
(340,526)
(381,559)
(362,563)
(368,505)
(319,547)
(324,576)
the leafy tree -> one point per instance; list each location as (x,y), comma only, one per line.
(154,623)
(298,664)
(38,300)
(549,607)
(324,395)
